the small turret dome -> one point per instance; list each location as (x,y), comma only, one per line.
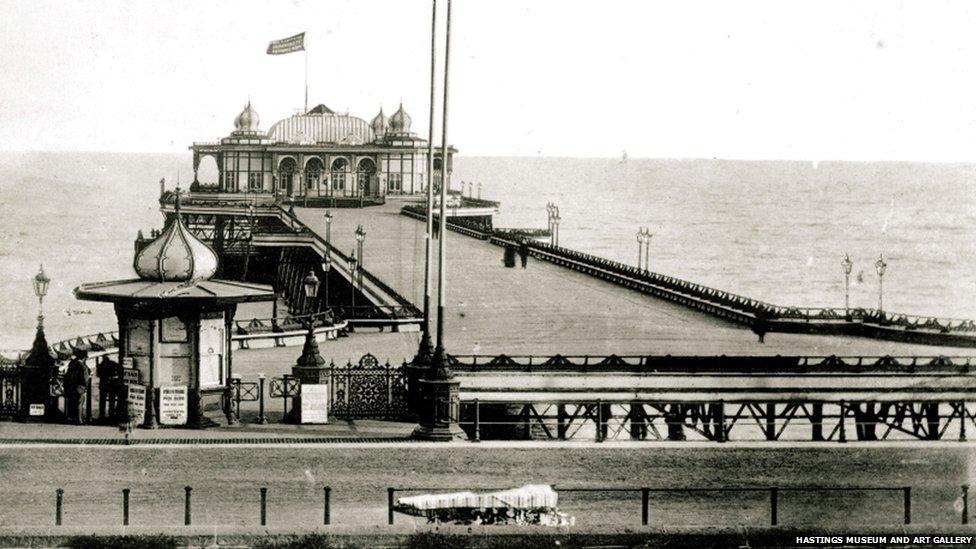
(400,121)
(380,124)
(176,255)
(248,120)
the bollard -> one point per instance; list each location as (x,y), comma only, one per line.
(908,504)
(261,419)
(264,506)
(186,507)
(965,504)
(58,501)
(327,511)
(773,503)
(389,505)
(125,507)
(645,497)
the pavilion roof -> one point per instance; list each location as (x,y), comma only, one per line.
(205,290)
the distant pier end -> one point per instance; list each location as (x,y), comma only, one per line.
(317,158)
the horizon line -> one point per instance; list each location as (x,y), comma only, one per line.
(561,156)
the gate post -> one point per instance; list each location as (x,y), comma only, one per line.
(816,422)
(645,496)
(58,503)
(721,435)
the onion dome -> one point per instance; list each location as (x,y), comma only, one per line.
(248,120)
(176,255)
(379,124)
(400,121)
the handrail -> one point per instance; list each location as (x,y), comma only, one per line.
(720,364)
(761,309)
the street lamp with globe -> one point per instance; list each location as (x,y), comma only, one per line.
(880,266)
(848,266)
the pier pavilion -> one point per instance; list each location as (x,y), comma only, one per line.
(320,156)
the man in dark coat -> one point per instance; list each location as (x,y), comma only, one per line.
(524,253)
(109,380)
(75,386)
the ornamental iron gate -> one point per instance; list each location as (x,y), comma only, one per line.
(368,389)
(364,390)
(11,375)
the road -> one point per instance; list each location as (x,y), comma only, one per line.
(226,482)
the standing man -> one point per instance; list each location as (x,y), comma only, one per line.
(524,252)
(75,386)
(109,378)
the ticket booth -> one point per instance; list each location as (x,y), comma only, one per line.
(175,325)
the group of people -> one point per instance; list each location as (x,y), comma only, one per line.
(77,383)
(523,252)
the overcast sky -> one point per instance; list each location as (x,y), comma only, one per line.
(810,80)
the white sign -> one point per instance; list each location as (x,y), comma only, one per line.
(136,402)
(131,375)
(172,405)
(36,410)
(315,403)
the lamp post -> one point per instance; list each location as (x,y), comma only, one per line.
(645,242)
(310,368)
(848,266)
(479,190)
(311,285)
(326,267)
(551,212)
(360,240)
(41,283)
(880,266)
(39,364)
(640,249)
(555,223)
(353,268)
(328,228)
(250,238)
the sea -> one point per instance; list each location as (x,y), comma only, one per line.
(771,230)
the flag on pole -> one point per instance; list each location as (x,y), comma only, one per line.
(287,45)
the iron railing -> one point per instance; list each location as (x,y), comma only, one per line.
(713,364)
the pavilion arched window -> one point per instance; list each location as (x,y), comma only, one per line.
(365,172)
(286,174)
(339,168)
(313,173)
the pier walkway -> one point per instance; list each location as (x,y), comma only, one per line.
(548,309)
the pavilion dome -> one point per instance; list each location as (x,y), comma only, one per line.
(248,120)
(380,123)
(400,121)
(176,255)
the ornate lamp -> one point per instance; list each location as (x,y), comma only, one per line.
(326,267)
(41,283)
(880,266)
(848,266)
(311,285)
(328,227)
(353,269)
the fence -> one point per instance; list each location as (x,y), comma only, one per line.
(367,389)
(188,506)
(774,495)
(645,492)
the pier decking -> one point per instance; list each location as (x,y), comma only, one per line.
(548,309)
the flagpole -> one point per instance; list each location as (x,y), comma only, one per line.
(306,76)
(423,353)
(440,367)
